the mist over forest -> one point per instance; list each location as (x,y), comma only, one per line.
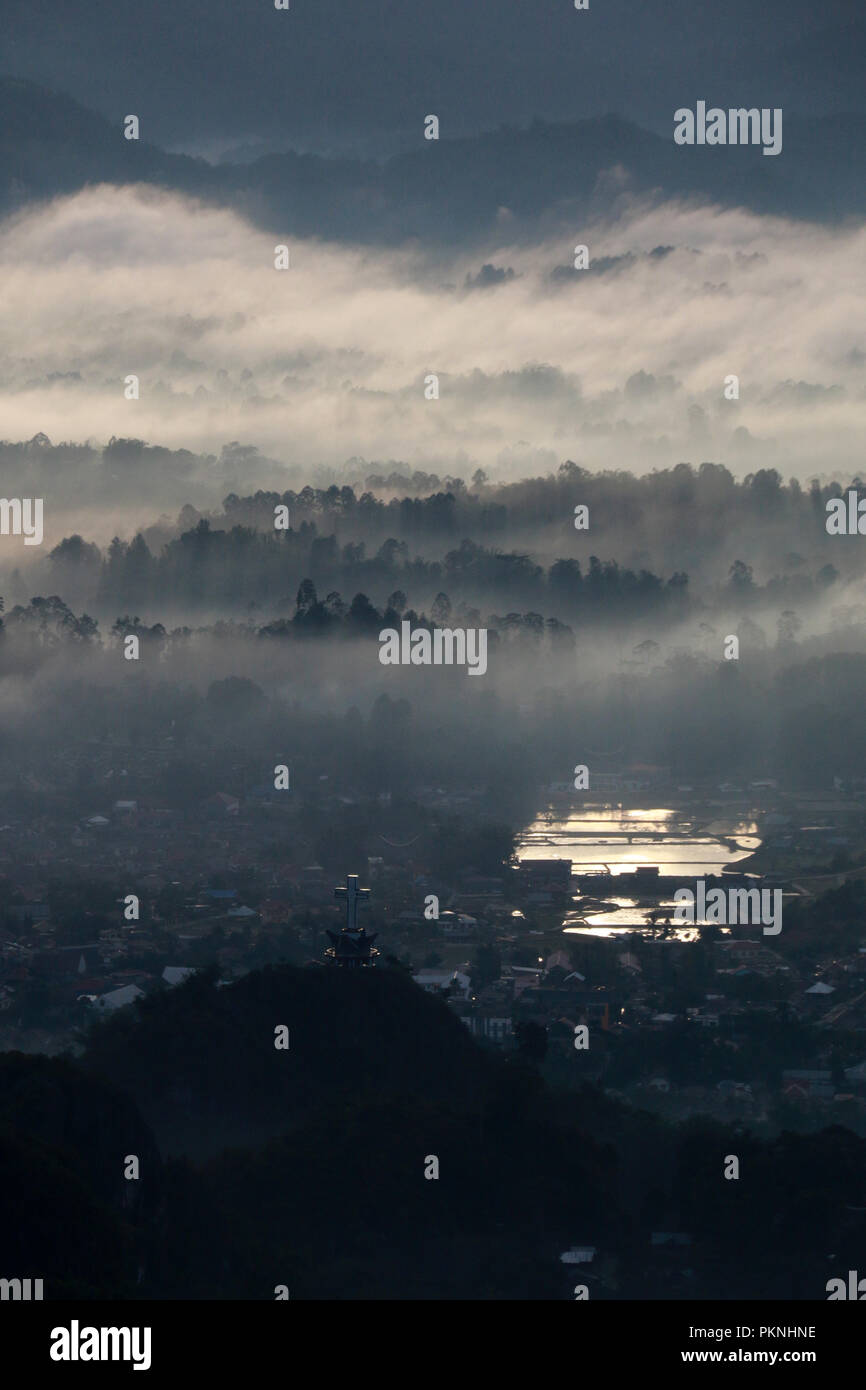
(255,638)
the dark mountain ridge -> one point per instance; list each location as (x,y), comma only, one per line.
(445,191)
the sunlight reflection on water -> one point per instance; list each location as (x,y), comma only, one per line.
(622,840)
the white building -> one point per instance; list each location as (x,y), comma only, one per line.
(119,998)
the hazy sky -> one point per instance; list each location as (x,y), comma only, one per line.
(209,73)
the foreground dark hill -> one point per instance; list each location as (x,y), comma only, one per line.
(450,191)
(201,1061)
(323,1186)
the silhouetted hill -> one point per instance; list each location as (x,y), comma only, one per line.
(201,1062)
(379,1079)
(50,144)
(445,191)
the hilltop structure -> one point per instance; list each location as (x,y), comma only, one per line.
(353,946)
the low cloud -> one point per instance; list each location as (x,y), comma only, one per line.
(329,360)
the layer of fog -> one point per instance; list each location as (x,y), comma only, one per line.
(623,365)
(791,708)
